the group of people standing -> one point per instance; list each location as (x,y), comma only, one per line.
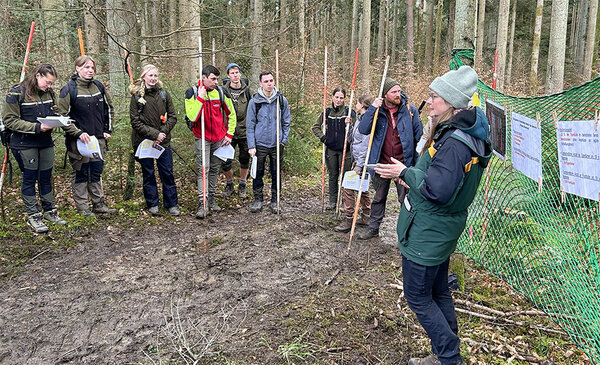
(435,186)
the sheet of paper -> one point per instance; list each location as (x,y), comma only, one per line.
(225,152)
(55,121)
(90,149)
(253,168)
(526,146)
(352,181)
(146,150)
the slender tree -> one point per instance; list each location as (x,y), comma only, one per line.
(580,32)
(410,38)
(282,24)
(354,30)
(438,36)
(590,40)
(480,33)
(502,37)
(429,37)
(365,43)
(464,24)
(256,40)
(535,48)
(302,36)
(381,29)
(555,71)
(511,42)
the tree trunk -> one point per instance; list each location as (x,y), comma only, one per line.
(365,47)
(302,35)
(354,33)
(590,40)
(464,23)
(511,42)
(419,40)
(572,30)
(580,30)
(480,33)
(556,52)
(256,41)
(503,14)
(438,36)
(410,38)
(381,29)
(116,23)
(394,49)
(535,48)
(451,22)
(282,24)
(429,37)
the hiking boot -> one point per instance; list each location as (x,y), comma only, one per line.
(330,206)
(242,191)
(363,221)
(212,204)
(201,213)
(174,211)
(345,226)
(369,233)
(86,212)
(101,208)
(429,360)
(256,206)
(52,216)
(153,210)
(35,221)
(229,189)
(274,208)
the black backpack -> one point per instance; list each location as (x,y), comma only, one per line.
(221,92)
(163,96)
(73,89)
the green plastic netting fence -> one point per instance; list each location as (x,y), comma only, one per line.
(544,244)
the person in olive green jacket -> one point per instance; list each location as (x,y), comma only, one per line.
(152,115)
(443,184)
(31,142)
(86,101)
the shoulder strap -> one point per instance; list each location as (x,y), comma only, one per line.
(222,101)
(72,91)
(100,86)
(22,95)
(163,96)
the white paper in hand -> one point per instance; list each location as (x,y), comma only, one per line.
(147,150)
(225,152)
(55,121)
(90,149)
(352,181)
(253,168)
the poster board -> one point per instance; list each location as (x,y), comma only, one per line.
(496,115)
(579,157)
(526,146)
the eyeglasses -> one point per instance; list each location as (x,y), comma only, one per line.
(433,96)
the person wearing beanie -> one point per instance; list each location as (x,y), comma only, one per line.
(152,116)
(442,185)
(240,94)
(398,129)
(334,138)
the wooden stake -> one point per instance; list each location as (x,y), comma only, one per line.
(364,171)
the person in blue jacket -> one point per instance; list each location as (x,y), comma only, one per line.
(261,134)
(397,132)
(442,185)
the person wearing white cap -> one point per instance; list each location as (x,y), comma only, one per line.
(442,184)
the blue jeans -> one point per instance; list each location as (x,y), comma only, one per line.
(426,290)
(165,171)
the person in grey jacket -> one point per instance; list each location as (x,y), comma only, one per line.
(358,145)
(261,120)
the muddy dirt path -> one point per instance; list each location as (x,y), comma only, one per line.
(225,287)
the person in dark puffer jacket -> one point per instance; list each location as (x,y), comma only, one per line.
(334,140)
(93,113)
(31,142)
(443,184)
(152,115)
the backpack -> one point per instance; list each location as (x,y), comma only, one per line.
(221,92)
(163,96)
(73,89)
(280,97)
(244,82)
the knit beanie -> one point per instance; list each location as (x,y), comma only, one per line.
(388,84)
(233,64)
(456,87)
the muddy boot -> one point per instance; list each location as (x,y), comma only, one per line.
(102,208)
(212,204)
(242,190)
(201,213)
(345,226)
(274,208)
(429,360)
(35,221)
(363,221)
(229,189)
(52,216)
(80,195)
(330,206)
(369,233)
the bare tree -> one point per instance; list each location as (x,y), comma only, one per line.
(381,29)
(302,35)
(354,31)
(556,52)
(480,33)
(511,42)
(580,32)
(464,24)
(503,13)
(590,40)
(365,46)
(410,38)
(429,37)
(438,36)
(282,23)
(256,41)
(535,48)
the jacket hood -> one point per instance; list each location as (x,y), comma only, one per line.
(136,88)
(473,122)
(260,97)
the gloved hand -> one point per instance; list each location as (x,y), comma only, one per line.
(323,138)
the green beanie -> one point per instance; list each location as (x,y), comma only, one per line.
(456,87)
(388,84)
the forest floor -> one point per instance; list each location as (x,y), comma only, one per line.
(239,288)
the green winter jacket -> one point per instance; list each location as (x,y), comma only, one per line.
(241,106)
(443,184)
